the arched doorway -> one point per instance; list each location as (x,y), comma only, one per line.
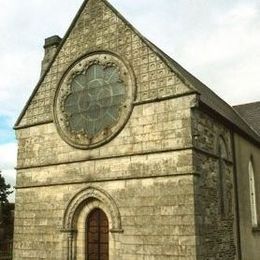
(97,235)
(75,220)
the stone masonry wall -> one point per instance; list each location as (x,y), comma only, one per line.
(217,232)
(129,167)
(157,218)
(152,127)
(147,169)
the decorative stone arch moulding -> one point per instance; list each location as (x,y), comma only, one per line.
(78,209)
(116,77)
(89,195)
(225,183)
(221,141)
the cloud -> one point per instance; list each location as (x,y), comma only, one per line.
(235,33)
(6,132)
(226,58)
(241,13)
(22,37)
(7,163)
(8,156)
(18,77)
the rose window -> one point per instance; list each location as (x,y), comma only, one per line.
(93,100)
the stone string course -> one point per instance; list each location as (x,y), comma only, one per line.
(151,127)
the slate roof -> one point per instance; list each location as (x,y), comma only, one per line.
(207,96)
(251,114)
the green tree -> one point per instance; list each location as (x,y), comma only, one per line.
(5,190)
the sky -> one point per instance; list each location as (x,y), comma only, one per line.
(217,41)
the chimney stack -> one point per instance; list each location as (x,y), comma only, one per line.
(50,47)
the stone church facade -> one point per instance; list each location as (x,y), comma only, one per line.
(123,154)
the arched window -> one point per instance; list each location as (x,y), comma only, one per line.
(223,192)
(252,194)
(97,235)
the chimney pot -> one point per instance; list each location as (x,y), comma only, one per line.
(51,45)
(52,41)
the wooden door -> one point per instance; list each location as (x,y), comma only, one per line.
(97,235)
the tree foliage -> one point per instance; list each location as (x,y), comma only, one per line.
(5,190)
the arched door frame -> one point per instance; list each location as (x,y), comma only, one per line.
(75,216)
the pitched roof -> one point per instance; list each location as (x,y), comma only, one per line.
(210,99)
(207,96)
(251,114)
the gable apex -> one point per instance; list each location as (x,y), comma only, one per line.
(68,34)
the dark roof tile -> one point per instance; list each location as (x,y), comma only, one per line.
(251,114)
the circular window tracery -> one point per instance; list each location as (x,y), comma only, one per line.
(94,100)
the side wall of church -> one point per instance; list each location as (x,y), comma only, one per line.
(215,217)
(250,234)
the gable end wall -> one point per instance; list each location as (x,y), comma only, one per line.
(100,28)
